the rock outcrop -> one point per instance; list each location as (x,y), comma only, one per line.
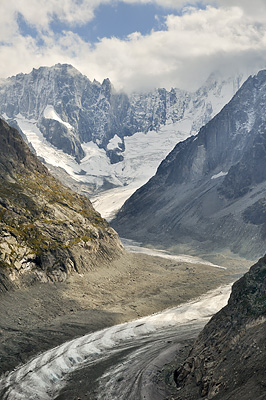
(46,230)
(206,193)
(227,361)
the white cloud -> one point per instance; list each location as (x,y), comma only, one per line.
(40,13)
(192,45)
(255,9)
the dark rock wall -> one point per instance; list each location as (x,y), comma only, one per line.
(228,359)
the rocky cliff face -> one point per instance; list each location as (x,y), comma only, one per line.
(61,109)
(208,190)
(66,106)
(47,231)
(228,359)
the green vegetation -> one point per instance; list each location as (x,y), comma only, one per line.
(42,222)
(27,212)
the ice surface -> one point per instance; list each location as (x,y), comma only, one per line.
(219,175)
(44,149)
(107,203)
(95,163)
(136,247)
(114,143)
(50,113)
(142,156)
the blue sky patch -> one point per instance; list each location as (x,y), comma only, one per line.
(123,19)
(116,20)
(112,20)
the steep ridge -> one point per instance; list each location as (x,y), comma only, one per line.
(209,193)
(87,128)
(47,231)
(228,359)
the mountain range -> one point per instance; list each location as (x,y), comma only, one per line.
(99,136)
(209,193)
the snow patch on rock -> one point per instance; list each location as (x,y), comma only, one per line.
(219,175)
(50,113)
(114,143)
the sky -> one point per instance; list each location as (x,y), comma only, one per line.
(137,44)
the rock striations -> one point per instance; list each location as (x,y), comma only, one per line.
(228,359)
(210,192)
(47,231)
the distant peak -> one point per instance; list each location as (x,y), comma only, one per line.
(64,66)
(106,82)
(57,67)
(67,68)
(107,87)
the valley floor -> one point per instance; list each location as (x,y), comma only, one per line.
(45,315)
